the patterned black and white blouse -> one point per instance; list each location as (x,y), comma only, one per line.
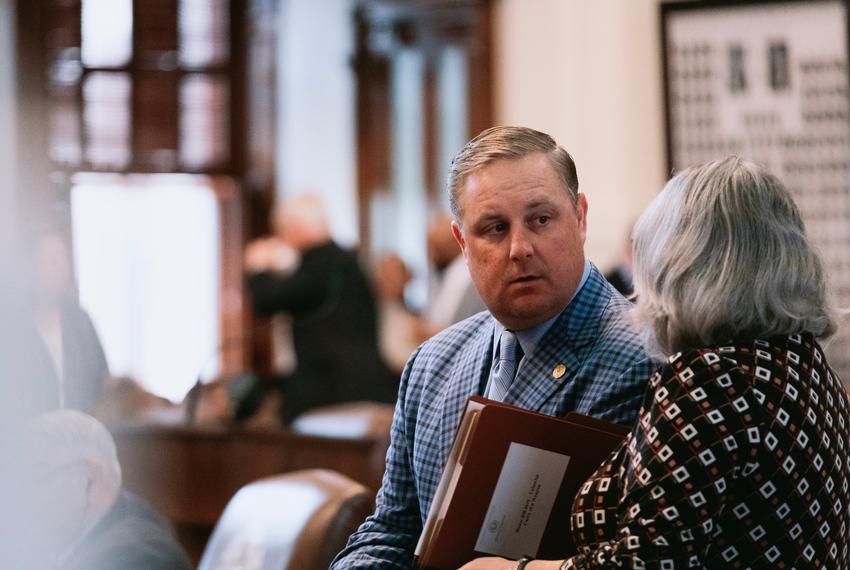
(739,459)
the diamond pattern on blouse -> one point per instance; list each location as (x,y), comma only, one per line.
(738,460)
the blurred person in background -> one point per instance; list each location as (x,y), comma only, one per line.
(73,360)
(76,515)
(620,276)
(453,296)
(739,455)
(397,324)
(333,312)
(52,357)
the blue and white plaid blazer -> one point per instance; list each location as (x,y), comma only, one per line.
(607,371)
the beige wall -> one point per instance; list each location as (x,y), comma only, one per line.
(588,72)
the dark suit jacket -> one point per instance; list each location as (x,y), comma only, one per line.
(26,365)
(84,364)
(131,536)
(621,279)
(334,329)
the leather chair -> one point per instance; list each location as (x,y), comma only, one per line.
(296,521)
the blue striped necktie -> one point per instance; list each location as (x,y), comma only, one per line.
(505,368)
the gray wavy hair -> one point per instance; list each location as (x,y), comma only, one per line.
(721,254)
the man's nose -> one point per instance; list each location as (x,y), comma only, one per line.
(521,245)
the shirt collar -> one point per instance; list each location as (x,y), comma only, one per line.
(529,338)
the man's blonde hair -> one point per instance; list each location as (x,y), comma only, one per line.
(508,143)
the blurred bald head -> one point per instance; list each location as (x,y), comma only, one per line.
(442,247)
(64,436)
(301,221)
(75,474)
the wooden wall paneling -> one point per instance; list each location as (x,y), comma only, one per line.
(33,193)
(372,72)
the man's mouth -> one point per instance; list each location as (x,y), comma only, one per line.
(525,279)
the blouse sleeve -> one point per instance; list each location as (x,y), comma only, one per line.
(696,434)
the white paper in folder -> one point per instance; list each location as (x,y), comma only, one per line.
(522,501)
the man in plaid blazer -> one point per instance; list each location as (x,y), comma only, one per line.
(521,224)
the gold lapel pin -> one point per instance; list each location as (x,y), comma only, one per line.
(559,371)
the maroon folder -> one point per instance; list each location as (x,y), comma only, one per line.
(508,486)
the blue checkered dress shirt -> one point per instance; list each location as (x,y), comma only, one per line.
(607,371)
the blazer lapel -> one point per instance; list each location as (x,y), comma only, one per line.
(560,355)
(472,363)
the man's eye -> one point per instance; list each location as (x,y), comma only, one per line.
(543,220)
(498,228)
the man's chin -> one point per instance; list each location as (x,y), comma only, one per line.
(526,317)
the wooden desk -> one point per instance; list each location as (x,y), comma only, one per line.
(190,473)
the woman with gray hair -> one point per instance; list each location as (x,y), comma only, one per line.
(739,457)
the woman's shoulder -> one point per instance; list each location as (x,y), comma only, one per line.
(746,351)
(768,364)
(699,370)
(708,359)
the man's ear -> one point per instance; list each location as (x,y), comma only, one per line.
(100,486)
(94,480)
(581,215)
(458,234)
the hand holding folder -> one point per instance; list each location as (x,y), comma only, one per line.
(508,486)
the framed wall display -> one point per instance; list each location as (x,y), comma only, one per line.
(768,80)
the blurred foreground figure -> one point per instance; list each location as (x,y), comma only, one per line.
(334,320)
(76,514)
(67,367)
